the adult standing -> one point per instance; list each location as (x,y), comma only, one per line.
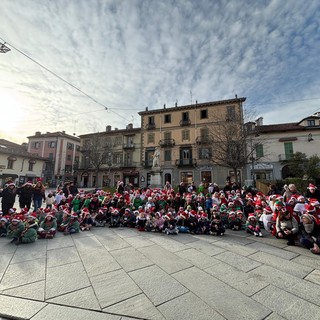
(25,193)
(38,195)
(8,195)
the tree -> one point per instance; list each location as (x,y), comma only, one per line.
(300,165)
(97,152)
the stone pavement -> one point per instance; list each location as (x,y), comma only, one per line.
(125,274)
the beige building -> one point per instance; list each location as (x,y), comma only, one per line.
(278,142)
(185,136)
(18,165)
(109,157)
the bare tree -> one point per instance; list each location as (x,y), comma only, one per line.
(97,153)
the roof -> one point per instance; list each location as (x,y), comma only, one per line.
(14,149)
(113,132)
(192,106)
(54,135)
(293,126)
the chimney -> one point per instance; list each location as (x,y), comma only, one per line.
(38,133)
(63,132)
(259,121)
(129,126)
(108,128)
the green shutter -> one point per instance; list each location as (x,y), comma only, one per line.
(288,149)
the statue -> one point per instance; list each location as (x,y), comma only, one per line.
(156,158)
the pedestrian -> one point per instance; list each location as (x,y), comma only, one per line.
(38,195)
(8,195)
(25,193)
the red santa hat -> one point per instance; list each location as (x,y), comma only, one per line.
(310,208)
(267,209)
(300,198)
(10,183)
(311,186)
(251,216)
(15,219)
(314,202)
(204,215)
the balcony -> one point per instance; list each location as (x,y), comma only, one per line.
(129,146)
(150,126)
(185,122)
(203,140)
(285,157)
(167,143)
(186,163)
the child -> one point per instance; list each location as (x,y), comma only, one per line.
(29,234)
(158,222)
(252,225)
(48,227)
(73,226)
(114,219)
(86,221)
(3,227)
(310,233)
(203,223)
(141,220)
(216,226)
(15,229)
(183,222)
(170,224)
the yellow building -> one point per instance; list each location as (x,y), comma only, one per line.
(185,136)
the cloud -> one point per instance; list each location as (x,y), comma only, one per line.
(131,54)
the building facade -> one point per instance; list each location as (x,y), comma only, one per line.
(110,156)
(276,143)
(62,151)
(18,165)
(185,136)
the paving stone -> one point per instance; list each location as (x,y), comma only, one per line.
(114,287)
(33,291)
(233,238)
(273,250)
(188,306)
(87,243)
(166,260)
(206,238)
(242,281)
(185,238)
(125,232)
(64,279)
(285,304)
(130,259)
(139,242)
(113,243)
(242,263)
(274,316)
(23,273)
(58,257)
(158,286)
(227,301)
(291,267)
(299,287)
(22,254)
(83,298)
(270,240)
(169,243)
(138,306)
(197,258)
(98,261)
(59,242)
(82,234)
(12,307)
(301,251)
(6,246)
(235,248)
(314,276)
(5,259)
(312,261)
(54,312)
(205,247)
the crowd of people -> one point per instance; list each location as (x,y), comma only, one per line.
(191,209)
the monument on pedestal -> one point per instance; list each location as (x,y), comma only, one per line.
(156,179)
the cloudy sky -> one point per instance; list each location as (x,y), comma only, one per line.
(129,54)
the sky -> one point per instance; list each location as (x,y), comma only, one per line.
(80,65)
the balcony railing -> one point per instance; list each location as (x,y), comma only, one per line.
(203,140)
(284,157)
(186,162)
(150,126)
(185,122)
(167,143)
(128,146)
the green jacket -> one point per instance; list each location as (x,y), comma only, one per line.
(14,231)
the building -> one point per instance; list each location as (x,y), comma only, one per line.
(62,151)
(185,137)
(109,157)
(276,143)
(18,165)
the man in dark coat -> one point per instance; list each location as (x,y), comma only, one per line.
(25,193)
(8,195)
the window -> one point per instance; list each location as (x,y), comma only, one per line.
(149,157)
(69,157)
(78,148)
(186,177)
(70,146)
(167,155)
(117,158)
(185,154)
(50,156)
(167,135)
(151,120)
(68,169)
(10,164)
(167,118)
(117,141)
(30,168)
(231,113)
(288,150)
(185,116)
(52,144)
(150,138)
(204,114)
(311,123)
(204,153)
(185,135)
(35,145)
(259,151)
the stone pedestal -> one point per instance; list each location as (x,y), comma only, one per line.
(156,179)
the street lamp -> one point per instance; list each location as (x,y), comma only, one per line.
(4,48)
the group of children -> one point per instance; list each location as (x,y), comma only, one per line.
(167,211)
